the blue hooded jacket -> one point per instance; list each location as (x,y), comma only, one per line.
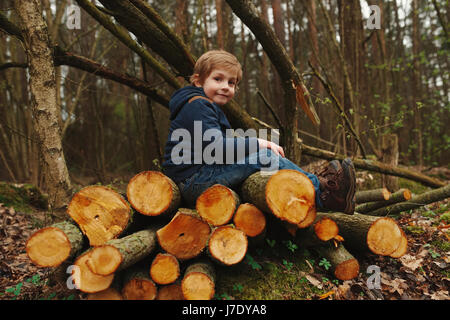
(200,133)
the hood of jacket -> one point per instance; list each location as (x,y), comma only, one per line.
(181,96)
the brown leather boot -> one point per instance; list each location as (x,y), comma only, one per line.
(338,186)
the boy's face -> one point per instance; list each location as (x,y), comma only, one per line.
(220,86)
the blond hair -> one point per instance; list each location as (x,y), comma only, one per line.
(215,59)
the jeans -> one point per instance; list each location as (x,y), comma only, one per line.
(233,175)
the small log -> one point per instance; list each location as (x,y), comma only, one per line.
(165,269)
(185,236)
(379,235)
(199,281)
(288,194)
(344,266)
(251,220)
(170,292)
(108,294)
(321,230)
(381,194)
(119,254)
(101,213)
(217,205)
(416,201)
(153,194)
(138,285)
(398,196)
(402,248)
(51,246)
(227,245)
(87,281)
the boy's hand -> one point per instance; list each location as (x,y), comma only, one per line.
(271,145)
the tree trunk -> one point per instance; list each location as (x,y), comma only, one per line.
(415,202)
(43,96)
(399,196)
(100,212)
(51,246)
(165,269)
(288,194)
(199,281)
(153,194)
(389,147)
(227,245)
(217,205)
(185,236)
(380,194)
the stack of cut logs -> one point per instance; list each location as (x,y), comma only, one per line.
(161,250)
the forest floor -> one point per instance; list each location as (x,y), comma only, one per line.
(276,270)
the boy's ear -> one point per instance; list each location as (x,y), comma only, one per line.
(196,80)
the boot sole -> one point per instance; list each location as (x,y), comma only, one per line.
(349,170)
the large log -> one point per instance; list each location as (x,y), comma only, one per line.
(217,205)
(287,194)
(344,266)
(199,281)
(153,194)
(52,245)
(108,294)
(165,269)
(119,254)
(380,194)
(379,235)
(185,236)
(398,196)
(101,213)
(138,285)
(227,245)
(415,202)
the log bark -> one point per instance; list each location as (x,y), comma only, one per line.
(217,205)
(344,266)
(165,269)
(119,254)
(199,281)
(415,202)
(51,246)
(364,233)
(227,245)
(138,285)
(287,194)
(153,194)
(185,236)
(100,212)
(252,221)
(372,195)
(399,196)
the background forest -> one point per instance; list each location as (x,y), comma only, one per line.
(398,75)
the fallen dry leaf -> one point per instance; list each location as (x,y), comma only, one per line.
(411,262)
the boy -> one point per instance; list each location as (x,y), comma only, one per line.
(196,116)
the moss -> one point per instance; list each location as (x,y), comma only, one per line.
(413,186)
(274,281)
(442,245)
(414,229)
(22,197)
(445,217)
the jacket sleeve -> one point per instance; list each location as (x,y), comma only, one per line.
(211,142)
